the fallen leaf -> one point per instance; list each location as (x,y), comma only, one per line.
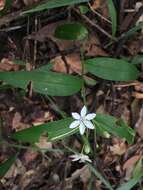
(7,65)
(118,149)
(43,144)
(73,61)
(17,124)
(131,162)
(96,4)
(92,47)
(30,156)
(137,95)
(139,123)
(16,120)
(2,4)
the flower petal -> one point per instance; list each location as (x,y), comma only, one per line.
(83,111)
(74,124)
(88,159)
(90,116)
(75,115)
(82,128)
(88,124)
(75,159)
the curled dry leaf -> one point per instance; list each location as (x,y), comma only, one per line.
(129,166)
(17,124)
(96,4)
(137,95)
(139,123)
(7,65)
(2,4)
(43,143)
(131,162)
(92,47)
(118,149)
(30,156)
(73,61)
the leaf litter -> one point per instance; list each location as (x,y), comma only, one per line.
(115,159)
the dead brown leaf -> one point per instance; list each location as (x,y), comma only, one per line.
(131,162)
(118,149)
(137,95)
(2,4)
(73,61)
(93,47)
(30,156)
(7,65)
(16,120)
(43,144)
(139,123)
(17,124)
(96,4)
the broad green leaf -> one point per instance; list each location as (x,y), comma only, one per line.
(48,83)
(55,130)
(4,167)
(129,185)
(112,69)
(99,176)
(71,31)
(113,16)
(114,127)
(54,4)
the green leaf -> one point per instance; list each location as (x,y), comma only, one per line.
(48,83)
(71,31)
(4,167)
(55,130)
(54,4)
(112,69)
(115,127)
(83,9)
(129,185)
(113,15)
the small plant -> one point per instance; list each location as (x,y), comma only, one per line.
(48,84)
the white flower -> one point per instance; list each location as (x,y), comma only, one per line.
(82,120)
(80,157)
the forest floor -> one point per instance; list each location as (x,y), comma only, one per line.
(30,39)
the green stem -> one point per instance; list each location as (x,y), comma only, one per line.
(34,148)
(83,94)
